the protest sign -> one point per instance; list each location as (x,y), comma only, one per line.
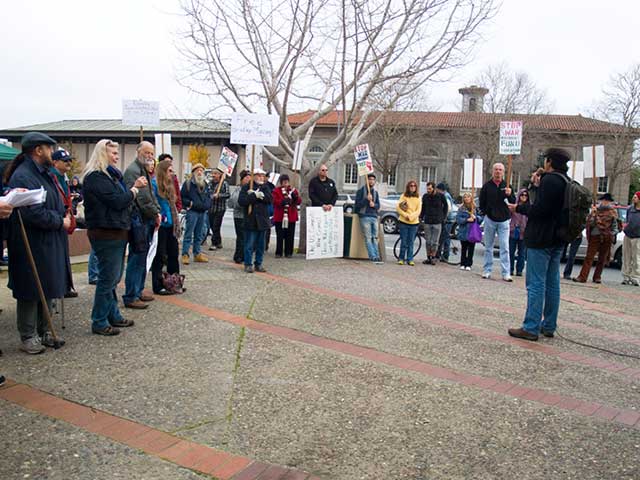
(510,138)
(576,171)
(227,161)
(472,170)
(253,158)
(325,233)
(255,129)
(163,143)
(140,113)
(363,159)
(588,157)
(273,178)
(297,156)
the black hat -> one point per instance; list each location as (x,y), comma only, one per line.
(283,177)
(607,197)
(371,175)
(441,186)
(61,156)
(244,173)
(33,139)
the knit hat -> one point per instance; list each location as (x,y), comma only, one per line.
(637,194)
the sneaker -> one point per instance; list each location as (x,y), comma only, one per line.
(635,283)
(400,262)
(378,262)
(122,323)
(508,278)
(32,346)
(411,263)
(212,247)
(626,281)
(48,341)
(463,268)
(259,268)
(468,269)
(518,274)
(486,275)
(106,331)
(185,259)
(201,258)
(248,269)
(71,293)
(426,262)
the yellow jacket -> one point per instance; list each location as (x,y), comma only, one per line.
(412,214)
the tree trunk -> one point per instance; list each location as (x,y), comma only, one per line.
(306,201)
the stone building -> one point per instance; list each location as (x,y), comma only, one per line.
(432,146)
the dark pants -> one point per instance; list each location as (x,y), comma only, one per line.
(600,245)
(110,257)
(466,253)
(444,244)
(284,239)
(571,256)
(136,274)
(167,252)
(215,222)
(519,259)
(238,224)
(31,319)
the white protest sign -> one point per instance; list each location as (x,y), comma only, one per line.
(273,178)
(469,167)
(163,143)
(325,233)
(576,171)
(140,113)
(297,156)
(153,248)
(363,159)
(227,161)
(510,138)
(255,129)
(257,157)
(587,156)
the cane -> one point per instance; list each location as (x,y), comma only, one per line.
(45,308)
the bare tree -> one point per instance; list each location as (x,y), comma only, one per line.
(620,104)
(335,55)
(512,92)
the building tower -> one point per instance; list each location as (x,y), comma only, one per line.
(473,98)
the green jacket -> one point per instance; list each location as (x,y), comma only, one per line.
(146,201)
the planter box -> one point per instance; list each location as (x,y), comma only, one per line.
(79,243)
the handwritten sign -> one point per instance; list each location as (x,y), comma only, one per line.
(587,156)
(140,113)
(363,159)
(325,233)
(467,174)
(510,138)
(255,129)
(227,161)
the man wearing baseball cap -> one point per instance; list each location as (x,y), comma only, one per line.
(46,225)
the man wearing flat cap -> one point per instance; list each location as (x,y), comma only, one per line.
(46,225)
(544,248)
(219,196)
(196,199)
(602,228)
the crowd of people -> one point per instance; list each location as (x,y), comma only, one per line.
(126,209)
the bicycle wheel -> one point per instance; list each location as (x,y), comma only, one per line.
(417,244)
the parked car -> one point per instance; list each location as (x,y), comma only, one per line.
(389,215)
(346,202)
(616,248)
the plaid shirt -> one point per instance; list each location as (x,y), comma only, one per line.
(219,205)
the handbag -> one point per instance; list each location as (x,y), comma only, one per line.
(173,282)
(475,233)
(137,234)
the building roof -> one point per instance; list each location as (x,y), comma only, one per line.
(87,127)
(477,120)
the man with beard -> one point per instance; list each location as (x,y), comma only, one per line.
(46,225)
(196,199)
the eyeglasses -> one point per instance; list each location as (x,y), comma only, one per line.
(524,195)
(323,169)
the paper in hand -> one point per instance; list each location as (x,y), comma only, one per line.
(25,198)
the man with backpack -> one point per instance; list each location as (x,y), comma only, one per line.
(549,219)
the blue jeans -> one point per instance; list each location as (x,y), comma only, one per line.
(543,289)
(93,267)
(520,258)
(571,256)
(369,227)
(194,232)
(407,237)
(137,270)
(492,228)
(253,242)
(110,258)
(445,241)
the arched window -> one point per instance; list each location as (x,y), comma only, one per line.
(473,104)
(316,149)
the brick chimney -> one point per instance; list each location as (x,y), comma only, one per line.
(473,98)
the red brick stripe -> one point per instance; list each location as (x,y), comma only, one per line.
(200,458)
(564,402)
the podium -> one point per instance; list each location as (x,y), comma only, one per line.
(354,246)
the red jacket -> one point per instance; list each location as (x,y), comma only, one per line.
(176,185)
(279,203)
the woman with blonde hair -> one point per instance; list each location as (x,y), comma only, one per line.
(107,213)
(408,209)
(467,215)
(169,225)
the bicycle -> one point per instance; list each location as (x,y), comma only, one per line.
(417,245)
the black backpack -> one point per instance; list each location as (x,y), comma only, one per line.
(575,208)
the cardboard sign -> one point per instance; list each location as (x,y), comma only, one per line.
(227,161)
(140,113)
(363,159)
(469,167)
(325,233)
(257,157)
(255,129)
(163,143)
(587,156)
(576,171)
(510,138)
(273,178)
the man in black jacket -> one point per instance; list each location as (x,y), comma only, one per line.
(493,203)
(322,190)
(544,249)
(433,214)
(256,202)
(219,196)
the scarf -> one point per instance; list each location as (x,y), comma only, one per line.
(117,175)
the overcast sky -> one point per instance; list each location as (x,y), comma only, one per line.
(73,59)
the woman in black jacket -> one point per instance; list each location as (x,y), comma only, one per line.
(107,212)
